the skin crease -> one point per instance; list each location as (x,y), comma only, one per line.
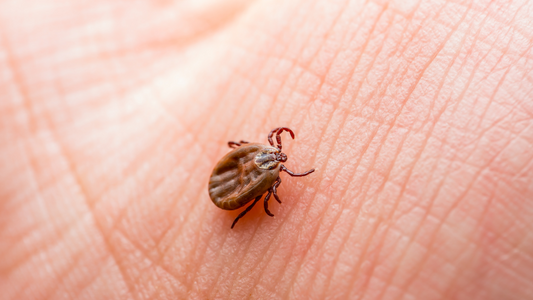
(416,115)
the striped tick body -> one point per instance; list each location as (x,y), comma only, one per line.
(249,171)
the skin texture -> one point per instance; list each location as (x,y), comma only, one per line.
(416,115)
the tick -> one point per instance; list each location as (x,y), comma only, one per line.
(247,172)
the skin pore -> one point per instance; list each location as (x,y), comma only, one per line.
(417,117)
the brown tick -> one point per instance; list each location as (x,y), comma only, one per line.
(247,172)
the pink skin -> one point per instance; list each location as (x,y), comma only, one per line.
(417,116)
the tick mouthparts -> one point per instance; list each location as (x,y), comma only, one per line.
(282,157)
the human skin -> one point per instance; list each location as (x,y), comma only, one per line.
(417,116)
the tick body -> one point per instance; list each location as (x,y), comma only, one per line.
(248,172)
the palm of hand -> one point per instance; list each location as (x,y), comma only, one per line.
(417,119)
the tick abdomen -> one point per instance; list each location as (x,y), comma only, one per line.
(237,179)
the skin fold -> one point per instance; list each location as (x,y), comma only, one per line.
(416,115)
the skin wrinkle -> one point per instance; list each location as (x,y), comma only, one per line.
(284,82)
(477,176)
(426,257)
(19,83)
(498,85)
(85,196)
(75,261)
(217,106)
(399,148)
(214,286)
(492,99)
(500,235)
(105,96)
(516,247)
(328,234)
(224,92)
(76,257)
(441,183)
(164,252)
(296,62)
(521,173)
(214,291)
(445,135)
(107,242)
(154,264)
(264,252)
(470,262)
(517,277)
(497,17)
(204,251)
(503,235)
(187,158)
(258,277)
(152,271)
(313,57)
(155,261)
(190,279)
(501,263)
(377,224)
(111,57)
(493,69)
(260,222)
(104,189)
(460,277)
(465,60)
(47,215)
(178,37)
(168,178)
(364,150)
(262,66)
(131,168)
(119,241)
(405,288)
(483,132)
(276,282)
(59,233)
(293,280)
(44,245)
(91,280)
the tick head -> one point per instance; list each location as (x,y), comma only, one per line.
(269,158)
(281,157)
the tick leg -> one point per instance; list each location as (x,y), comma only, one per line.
(270,136)
(274,187)
(246,210)
(278,131)
(233,144)
(266,203)
(283,168)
